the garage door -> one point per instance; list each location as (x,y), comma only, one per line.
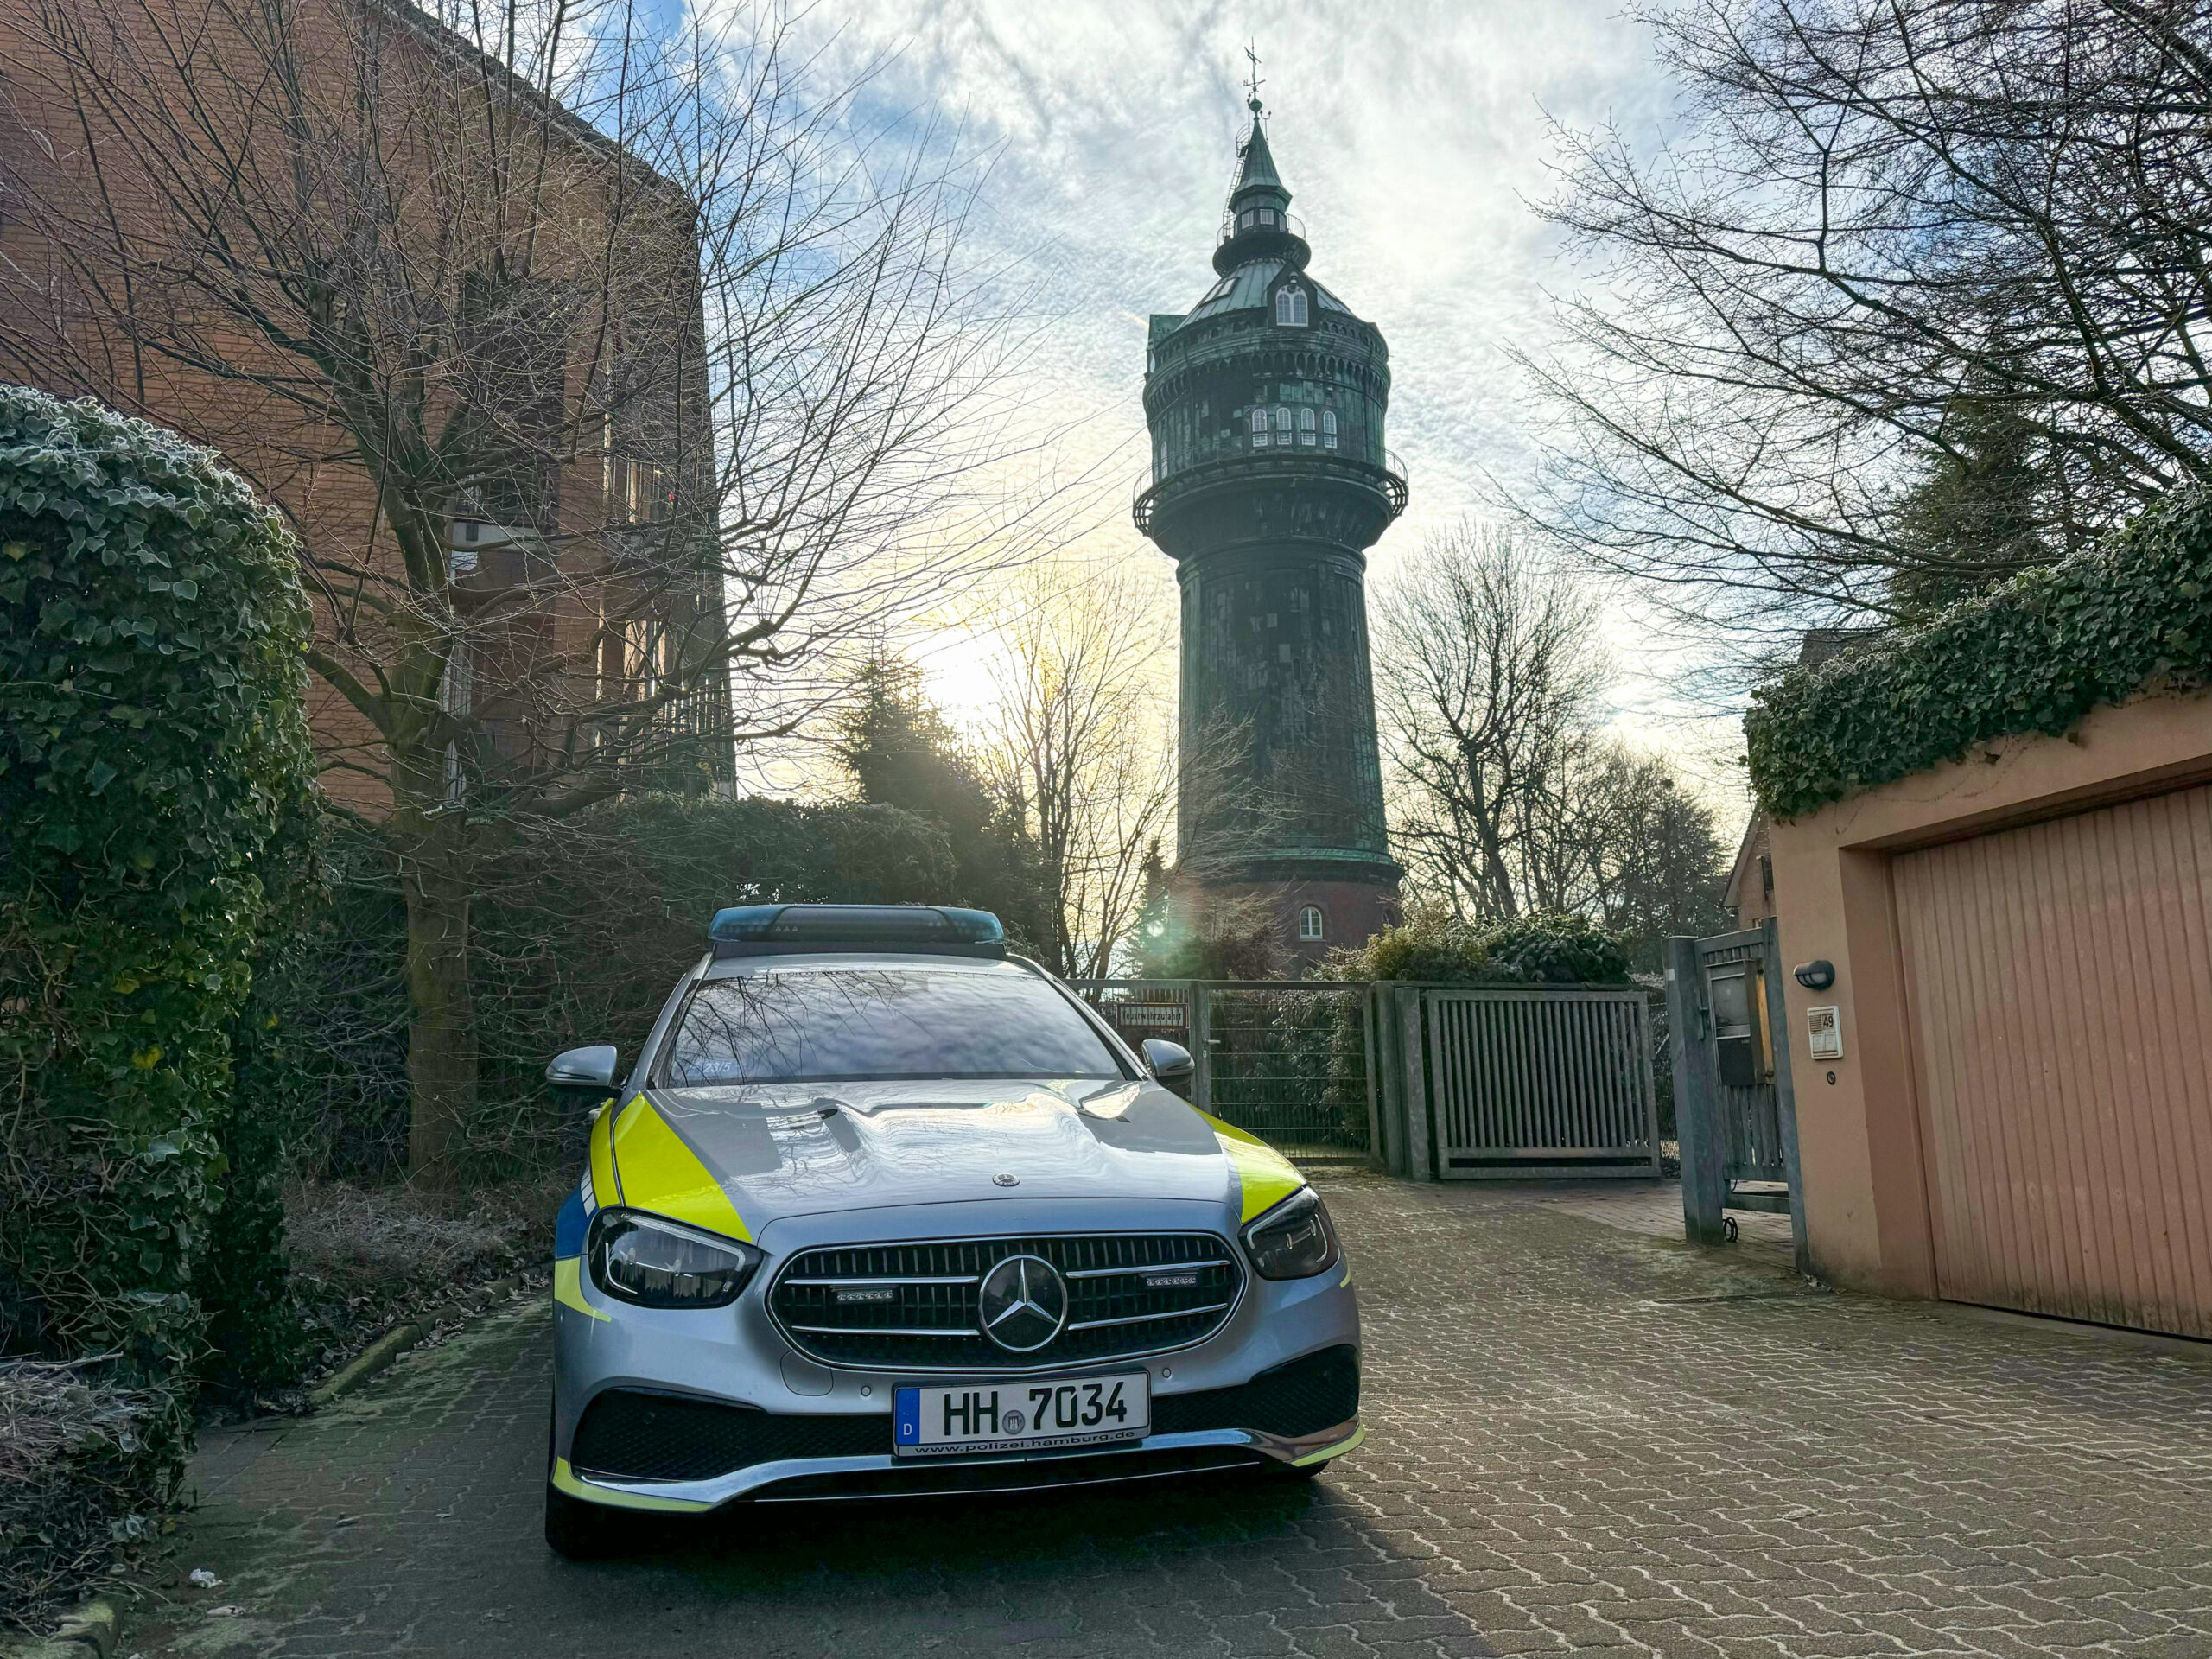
(2060,984)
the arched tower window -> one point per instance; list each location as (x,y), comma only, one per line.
(1282,426)
(1290,307)
(1259,428)
(1328,428)
(1306,427)
(1309,922)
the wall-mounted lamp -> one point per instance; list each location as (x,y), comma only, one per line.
(1815,976)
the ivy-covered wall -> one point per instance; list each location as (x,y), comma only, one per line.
(152,741)
(2132,614)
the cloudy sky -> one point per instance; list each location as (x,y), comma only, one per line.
(1414,135)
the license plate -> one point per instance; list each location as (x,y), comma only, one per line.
(1043,1414)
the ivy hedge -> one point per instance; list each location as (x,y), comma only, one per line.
(2035,655)
(153,743)
(1430,947)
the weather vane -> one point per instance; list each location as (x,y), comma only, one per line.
(1255,83)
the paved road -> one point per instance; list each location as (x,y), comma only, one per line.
(1582,1436)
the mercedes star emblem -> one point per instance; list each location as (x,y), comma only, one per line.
(1025,1303)
(1006,1180)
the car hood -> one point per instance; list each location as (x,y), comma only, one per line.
(737,1159)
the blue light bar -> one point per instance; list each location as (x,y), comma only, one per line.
(885,926)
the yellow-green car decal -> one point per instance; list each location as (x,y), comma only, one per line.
(605,1189)
(660,1173)
(569,1286)
(565,1478)
(1264,1176)
(1336,1450)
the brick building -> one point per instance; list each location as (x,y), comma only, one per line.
(448,327)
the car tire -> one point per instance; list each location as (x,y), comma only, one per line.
(576,1530)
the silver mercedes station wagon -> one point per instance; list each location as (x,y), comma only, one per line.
(882,1210)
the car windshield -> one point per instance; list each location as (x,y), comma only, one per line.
(874,1024)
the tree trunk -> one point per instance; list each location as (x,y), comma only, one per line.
(442,1026)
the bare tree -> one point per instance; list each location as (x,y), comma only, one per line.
(1510,797)
(1079,746)
(607,387)
(1637,848)
(1879,232)
(1488,672)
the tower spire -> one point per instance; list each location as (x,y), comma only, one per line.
(1256,223)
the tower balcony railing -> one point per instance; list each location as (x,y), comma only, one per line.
(1234,223)
(1148,487)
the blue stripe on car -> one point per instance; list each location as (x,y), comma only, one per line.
(569,1227)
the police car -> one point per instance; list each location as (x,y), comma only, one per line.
(882,1210)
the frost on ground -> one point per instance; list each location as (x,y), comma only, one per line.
(76,1468)
(364,1259)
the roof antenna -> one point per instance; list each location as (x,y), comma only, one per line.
(1254,83)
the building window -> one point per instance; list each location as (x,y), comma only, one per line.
(1309,922)
(457,685)
(1290,307)
(1306,427)
(1328,428)
(1282,426)
(457,698)
(1259,428)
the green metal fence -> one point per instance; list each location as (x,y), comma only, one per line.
(1292,1063)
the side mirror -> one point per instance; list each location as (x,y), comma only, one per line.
(1170,1063)
(582,1076)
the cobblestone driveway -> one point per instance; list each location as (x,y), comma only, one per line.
(1581,1437)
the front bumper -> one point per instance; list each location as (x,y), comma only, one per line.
(829,1421)
(819,1479)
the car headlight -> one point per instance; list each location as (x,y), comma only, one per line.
(655,1263)
(1294,1240)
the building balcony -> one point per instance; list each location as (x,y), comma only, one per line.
(1249,464)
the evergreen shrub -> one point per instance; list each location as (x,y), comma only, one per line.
(2033,655)
(1432,947)
(152,739)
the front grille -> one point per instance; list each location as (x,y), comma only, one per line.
(628,1435)
(1304,1397)
(926,1312)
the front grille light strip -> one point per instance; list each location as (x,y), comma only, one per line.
(1145,1318)
(1121,1273)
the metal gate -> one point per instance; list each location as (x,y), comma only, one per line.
(1290,1061)
(1536,1080)
(1433,1082)
(1734,1110)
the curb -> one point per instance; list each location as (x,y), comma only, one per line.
(90,1632)
(366,1363)
(398,1341)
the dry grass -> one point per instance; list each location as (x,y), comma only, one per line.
(364,1259)
(74,1474)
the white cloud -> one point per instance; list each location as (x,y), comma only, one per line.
(1413,133)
